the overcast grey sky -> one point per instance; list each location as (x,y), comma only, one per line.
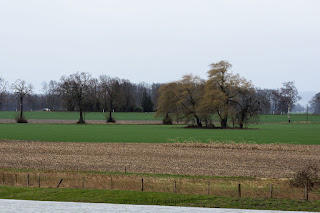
(268,42)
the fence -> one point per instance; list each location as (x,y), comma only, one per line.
(236,187)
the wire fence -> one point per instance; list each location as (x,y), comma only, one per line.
(217,187)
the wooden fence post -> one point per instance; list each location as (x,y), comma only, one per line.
(208,189)
(306,192)
(271,191)
(16,176)
(28,180)
(142,184)
(239,190)
(83,182)
(3,178)
(39,180)
(59,182)
(111,183)
(125,170)
(175,186)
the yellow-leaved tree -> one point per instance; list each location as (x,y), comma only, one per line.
(224,93)
(182,98)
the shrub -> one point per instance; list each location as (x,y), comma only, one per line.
(138,109)
(167,120)
(21,120)
(307,176)
(111,120)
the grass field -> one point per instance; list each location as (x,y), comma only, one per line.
(153,198)
(262,133)
(143,116)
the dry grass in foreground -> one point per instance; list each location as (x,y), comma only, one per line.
(250,187)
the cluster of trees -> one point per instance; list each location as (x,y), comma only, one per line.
(224,95)
(279,101)
(81,92)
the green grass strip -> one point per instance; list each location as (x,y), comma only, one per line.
(145,116)
(153,198)
(262,133)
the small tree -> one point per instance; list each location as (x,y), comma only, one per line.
(127,100)
(306,177)
(51,94)
(3,91)
(246,105)
(146,102)
(109,94)
(315,103)
(167,102)
(290,96)
(21,91)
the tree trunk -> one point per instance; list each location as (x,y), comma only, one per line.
(224,122)
(21,108)
(81,121)
(199,124)
(242,120)
(110,118)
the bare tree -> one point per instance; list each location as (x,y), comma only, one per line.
(146,102)
(109,94)
(246,105)
(276,101)
(22,90)
(139,90)
(264,97)
(51,94)
(127,96)
(3,89)
(315,103)
(289,94)
(75,91)
(155,93)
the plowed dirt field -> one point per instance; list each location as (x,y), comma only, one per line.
(272,161)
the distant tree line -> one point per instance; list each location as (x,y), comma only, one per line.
(224,94)
(80,92)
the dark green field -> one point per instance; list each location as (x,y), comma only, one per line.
(144,116)
(262,133)
(75,115)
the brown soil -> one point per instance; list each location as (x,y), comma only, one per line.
(272,161)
